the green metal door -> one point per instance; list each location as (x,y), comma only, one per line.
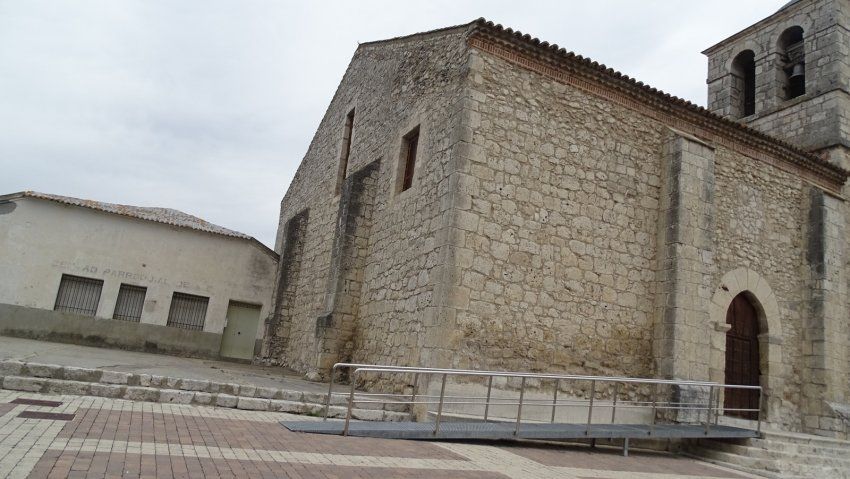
(237,340)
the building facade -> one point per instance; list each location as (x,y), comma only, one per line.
(132,277)
(476,198)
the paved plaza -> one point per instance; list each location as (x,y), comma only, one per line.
(45,352)
(79,436)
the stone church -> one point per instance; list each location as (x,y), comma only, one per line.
(477,198)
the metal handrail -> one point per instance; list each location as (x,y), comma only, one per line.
(420,370)
(711,406)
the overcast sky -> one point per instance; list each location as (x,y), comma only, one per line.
(208,106)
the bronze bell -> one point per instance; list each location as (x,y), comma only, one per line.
(797,71)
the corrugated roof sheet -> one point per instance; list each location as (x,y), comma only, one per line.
(166,216)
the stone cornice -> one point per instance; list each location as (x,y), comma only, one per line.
(569,68)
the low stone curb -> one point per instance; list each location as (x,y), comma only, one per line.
(56,379)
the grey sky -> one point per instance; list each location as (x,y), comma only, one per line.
(208,106)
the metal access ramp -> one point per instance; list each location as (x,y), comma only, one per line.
(674,409)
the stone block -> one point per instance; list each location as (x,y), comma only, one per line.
(107,390)
(253,404)
(267,393)
(157,381)
(45,370)
(174,396)
(172,383)
(204,399)
(396,416)
(337,411)
(367,414)
(82,374)
(18,383)
(61,386)
(293,407)
(11,368)
(115,377)
(224,388)
(142,393)
(318,398)
(194,385)
(246,390)
(289,395)
(226,400)
(145,380)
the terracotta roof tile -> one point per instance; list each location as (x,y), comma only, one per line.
(166,216)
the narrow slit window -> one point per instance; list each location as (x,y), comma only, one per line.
(346,150)
(130,301)
(411,145)
(78,295)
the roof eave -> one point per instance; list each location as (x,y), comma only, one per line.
(652,95)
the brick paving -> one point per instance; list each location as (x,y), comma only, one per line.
(111,438)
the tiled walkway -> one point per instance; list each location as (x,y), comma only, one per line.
(116,438)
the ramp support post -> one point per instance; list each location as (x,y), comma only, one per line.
(519,408)
(590,408)
(487,404)
(440,407)
(350,404)
(555,399)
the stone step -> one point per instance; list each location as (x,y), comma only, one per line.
(57,379)
(738,467)
(795,448)
(784,454)
(776,467)
(809,439)
(754,463)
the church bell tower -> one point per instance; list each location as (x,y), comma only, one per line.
(789,76)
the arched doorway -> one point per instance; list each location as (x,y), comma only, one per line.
(742,357)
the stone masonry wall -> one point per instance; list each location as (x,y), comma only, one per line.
(560,228)
(393,87)
(761,225)
(559,258)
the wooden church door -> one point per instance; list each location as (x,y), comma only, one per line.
(742,357)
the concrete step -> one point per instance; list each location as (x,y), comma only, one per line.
(57,379)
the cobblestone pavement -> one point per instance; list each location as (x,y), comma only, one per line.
(74,436)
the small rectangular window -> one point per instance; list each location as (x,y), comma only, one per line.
(187,311)
(130,301)
(78,295)
(346,150)
(411,145)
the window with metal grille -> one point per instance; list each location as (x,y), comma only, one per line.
(78,295)
(188,311)
(411,145)
(130,301)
